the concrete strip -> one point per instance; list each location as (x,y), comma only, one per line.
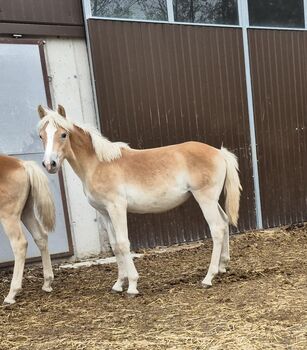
(88,263)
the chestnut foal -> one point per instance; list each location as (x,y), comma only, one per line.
(25,196)
(117,179)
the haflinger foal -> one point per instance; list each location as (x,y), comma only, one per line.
(117,179)
(25,197)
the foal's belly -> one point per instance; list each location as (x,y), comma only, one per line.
(154,201)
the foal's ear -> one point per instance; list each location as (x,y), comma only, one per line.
(61,111)
(41,111)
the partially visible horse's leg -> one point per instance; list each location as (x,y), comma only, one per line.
(41,239)
(12,227)
(122,273)
(118,216)
(218,227)
(225,256)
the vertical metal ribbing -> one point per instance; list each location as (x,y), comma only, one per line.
(244,22)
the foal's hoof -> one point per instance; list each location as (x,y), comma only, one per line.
(8,303)
(206,286)
(47,289)
(115,291)
(222,270)
(132,295)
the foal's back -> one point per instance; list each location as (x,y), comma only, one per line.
(197,159)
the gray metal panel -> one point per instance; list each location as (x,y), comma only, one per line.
(42,18)
(41,30)
(278,71)
(22,89)
(65,12)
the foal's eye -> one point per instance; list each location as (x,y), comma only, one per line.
(40,136)
(64,135)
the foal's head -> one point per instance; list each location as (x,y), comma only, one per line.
(54,131)
(59,135)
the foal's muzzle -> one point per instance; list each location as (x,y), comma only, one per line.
(50,166)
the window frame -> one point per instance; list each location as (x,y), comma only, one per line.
(243,16)
(170,14)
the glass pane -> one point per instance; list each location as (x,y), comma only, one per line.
(21,91)
(276,13)
(132,9)
(206,11)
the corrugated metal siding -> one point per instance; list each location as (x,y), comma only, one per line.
(42,18)
(41,30)
(62,12)
(160,84)
(279,75)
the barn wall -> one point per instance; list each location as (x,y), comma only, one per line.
(42,17)
(160,84)
(278,67)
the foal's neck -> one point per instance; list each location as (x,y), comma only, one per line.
(82,157)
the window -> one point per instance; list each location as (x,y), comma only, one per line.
(206,11)
(131,9)
(276,13)
(265,13)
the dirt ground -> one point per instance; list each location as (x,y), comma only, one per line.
(260,303)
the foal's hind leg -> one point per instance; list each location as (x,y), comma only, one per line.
(12,227)
(218,228)
(41,239)
(225,256)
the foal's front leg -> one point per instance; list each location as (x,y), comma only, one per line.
(118,216)
(122,273)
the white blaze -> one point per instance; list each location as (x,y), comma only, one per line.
(50,131)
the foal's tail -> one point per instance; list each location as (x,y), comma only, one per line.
(42,197)
(232,186)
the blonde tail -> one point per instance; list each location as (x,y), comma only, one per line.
(42,197)
(232,187)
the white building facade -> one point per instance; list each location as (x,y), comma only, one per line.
(70,85)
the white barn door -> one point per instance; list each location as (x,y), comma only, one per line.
(22,89)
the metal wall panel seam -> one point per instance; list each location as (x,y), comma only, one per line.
(170,10)
(244,21)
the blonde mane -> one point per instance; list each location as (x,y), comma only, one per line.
(104,148)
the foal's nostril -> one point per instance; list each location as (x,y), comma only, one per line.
(43,163)
(53,164)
